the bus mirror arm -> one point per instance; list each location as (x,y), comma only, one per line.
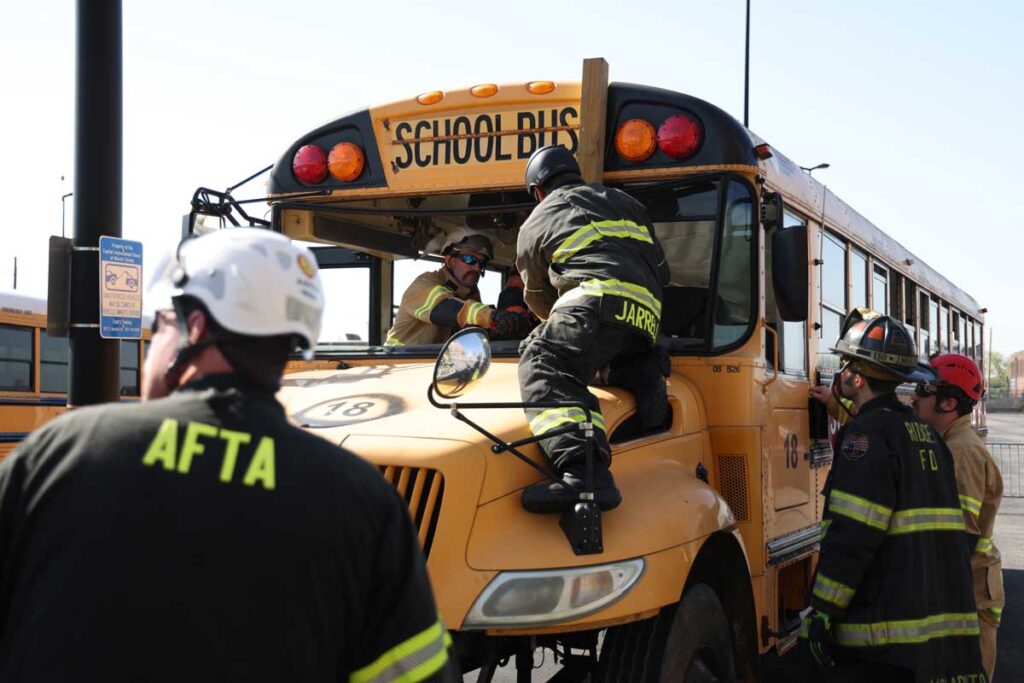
(580,523)
(207,202)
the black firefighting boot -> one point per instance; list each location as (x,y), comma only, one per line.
(556,496)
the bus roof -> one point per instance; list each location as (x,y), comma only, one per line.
(456,141)
(465,143)
(812,197)
(14,302)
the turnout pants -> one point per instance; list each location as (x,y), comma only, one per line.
(560,358)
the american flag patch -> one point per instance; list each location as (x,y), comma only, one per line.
(854,446)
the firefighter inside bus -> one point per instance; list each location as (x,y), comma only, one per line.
(440,302)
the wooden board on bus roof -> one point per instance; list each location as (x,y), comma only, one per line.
(466,142)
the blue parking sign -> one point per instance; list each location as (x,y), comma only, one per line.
(120,288)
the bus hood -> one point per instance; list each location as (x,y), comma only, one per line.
(387,406)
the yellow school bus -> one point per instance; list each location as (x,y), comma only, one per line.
(706,564)
(34,369)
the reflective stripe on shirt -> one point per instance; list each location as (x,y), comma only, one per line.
(859,509)
(907,631)
(591,232)
(475,312)
(411,661)
(926,519)
(597,288)
(971,505)
(833,591)
(435,295)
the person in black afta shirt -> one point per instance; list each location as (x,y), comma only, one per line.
(892,596)
(200,536)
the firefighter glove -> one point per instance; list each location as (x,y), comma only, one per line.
(818,627)
(510,325)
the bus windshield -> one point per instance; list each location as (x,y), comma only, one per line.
(705,225)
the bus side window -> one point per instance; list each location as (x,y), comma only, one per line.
(129,375)
(53,363)
(792,335)
(15,358)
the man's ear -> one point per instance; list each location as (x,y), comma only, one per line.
(948,405)
(198,326)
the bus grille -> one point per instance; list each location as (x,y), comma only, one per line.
(732,483)
(423,491)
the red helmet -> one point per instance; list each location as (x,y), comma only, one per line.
(959,371)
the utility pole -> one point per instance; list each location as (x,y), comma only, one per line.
(15,272)
(93,362)
(746,76)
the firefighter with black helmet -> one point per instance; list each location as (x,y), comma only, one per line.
(200,535)
(439,302)
(946,404)
(892,595)
(594,272)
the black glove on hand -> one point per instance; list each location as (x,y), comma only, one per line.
(510,325)
(818,627)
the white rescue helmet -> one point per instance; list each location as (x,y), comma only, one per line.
(253,282)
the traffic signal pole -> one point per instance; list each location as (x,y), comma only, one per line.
(93,362)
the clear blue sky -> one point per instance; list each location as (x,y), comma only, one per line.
(916,105)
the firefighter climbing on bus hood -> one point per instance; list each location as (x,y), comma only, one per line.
(594,272)
(439,302)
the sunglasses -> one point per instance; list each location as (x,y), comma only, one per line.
(473,260)
(925,390)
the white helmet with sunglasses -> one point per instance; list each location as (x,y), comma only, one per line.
(252,281)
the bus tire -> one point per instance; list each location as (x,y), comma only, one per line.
(689,642)
(699,645)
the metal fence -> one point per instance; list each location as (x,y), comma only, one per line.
(1010,459)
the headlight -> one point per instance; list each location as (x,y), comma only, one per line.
(535,598)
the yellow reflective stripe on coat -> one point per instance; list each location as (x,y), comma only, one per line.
(627,290)
(393,341)
(926,519)
(833,591)
(984,545)
(474,312)
(908,631)
(994,613)
(435,295)
(971,505)
(859,509)
(411,661)
(591,232)
(556,417)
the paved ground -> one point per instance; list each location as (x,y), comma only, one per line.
(1009,538)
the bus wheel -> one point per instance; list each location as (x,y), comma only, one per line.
(699,646)
(688,642)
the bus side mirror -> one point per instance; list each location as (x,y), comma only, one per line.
(771,210)
(464,359)
(789,272)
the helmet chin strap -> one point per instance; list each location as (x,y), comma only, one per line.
(835,392)
(186,351)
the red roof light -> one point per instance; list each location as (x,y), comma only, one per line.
(310,164)
(679,137)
